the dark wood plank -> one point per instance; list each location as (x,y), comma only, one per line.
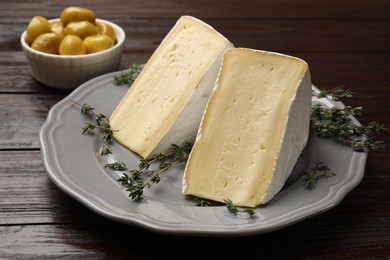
(351,239)
(280,9)
(285,35)
(280,35)
(366,71)
(22,117)
(29,196)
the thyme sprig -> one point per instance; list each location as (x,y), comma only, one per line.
(128,78)
(233,209)
(337,123)
(336,93)
(166,161)
(101,121)
(318,171)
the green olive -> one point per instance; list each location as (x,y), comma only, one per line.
(98,43)
(47,42)
(82,29)
(72,45)
(76,33)
(36,27)
(106,29)
(56,27)
(74,13)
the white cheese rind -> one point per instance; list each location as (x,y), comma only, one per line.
(254,128)
(165,104)
(295,138)
(185,127)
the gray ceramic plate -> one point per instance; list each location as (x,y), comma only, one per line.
(73,164)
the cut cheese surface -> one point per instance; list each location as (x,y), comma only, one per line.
(165,104)
(254,128)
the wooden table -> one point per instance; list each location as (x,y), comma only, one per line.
(344,42)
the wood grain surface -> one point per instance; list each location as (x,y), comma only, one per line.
(344,42)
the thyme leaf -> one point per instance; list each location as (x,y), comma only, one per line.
(128,78)
(201,202)
(336,93)
(318,171)
(86,109)
(104,150)
(116,166)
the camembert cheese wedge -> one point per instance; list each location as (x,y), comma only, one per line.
(254,128)
(165,104)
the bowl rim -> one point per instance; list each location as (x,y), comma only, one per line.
(121,36)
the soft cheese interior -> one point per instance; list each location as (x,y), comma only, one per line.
(253,130)
(165,104)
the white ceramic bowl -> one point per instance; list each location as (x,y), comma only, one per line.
(68,72)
